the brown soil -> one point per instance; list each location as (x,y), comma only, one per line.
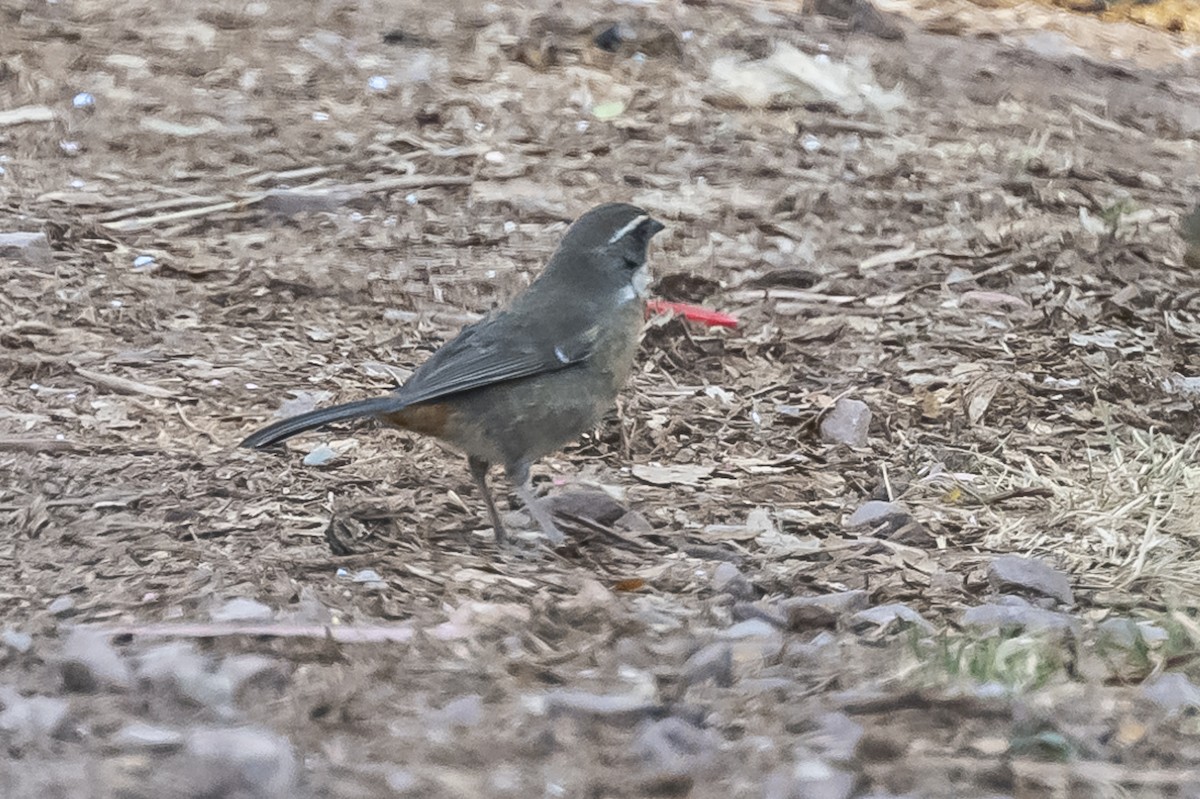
(930,261)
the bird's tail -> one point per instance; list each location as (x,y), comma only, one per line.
(286,428)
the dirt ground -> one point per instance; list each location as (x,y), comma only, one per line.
(252,208)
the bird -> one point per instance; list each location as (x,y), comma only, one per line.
(527,379)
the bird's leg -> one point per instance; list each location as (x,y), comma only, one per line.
(518,473)
(479,470)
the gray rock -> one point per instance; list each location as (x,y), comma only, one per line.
(713,662)
(610,707)
(28,248)
(803,613)
(61,606)
(404,782)
(89,662)
(1173,692)
(240,671)
(139,735)
(1127,633)
(598,506)
(179,667)
(465,711)
(31,719)
(875,511)
(810,779)
(847,423)
(242,609)
(322,455)
(674,746)
(728,579)
(255,760)
(750,628)
(998,616)
(1029,575)
(836,737)
(890,618)
(17,641)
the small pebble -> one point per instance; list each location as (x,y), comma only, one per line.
(139,735)
(89,661)
(242,609)
(847,422)
(1029,575)
(61,606)
(320,456)
(17,641)
(875,511)
(30,719)
(807,612)
(1173,692)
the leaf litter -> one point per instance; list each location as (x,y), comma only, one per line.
(905,217)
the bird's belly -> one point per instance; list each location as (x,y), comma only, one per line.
(525,419)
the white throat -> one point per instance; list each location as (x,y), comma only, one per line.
(639,285)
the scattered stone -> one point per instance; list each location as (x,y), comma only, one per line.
(89,662)
(748,610)
(1173,692)
(32,249)
(321,455)
(806,612)
(308,609)
(674,746)
(634,522)
(1005,615)
(61,606)
(728,579)
(17,641)
(810,779)
(1127,633)
(846,423)
(370,579)
(241,671)
(591,504)
(247,761)
(608,707)
(875,511)
(1029,575)
(179,667)
(31,719)
(750,628)
(404,782)
(889,618)
(713,662)
(139,735)
(242,609)
(836,737)
(465,711)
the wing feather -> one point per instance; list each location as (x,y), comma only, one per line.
(494,350)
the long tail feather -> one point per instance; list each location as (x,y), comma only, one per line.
(286,428)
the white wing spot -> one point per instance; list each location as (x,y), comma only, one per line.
(562,356)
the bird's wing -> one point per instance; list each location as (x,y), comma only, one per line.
(494,350)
